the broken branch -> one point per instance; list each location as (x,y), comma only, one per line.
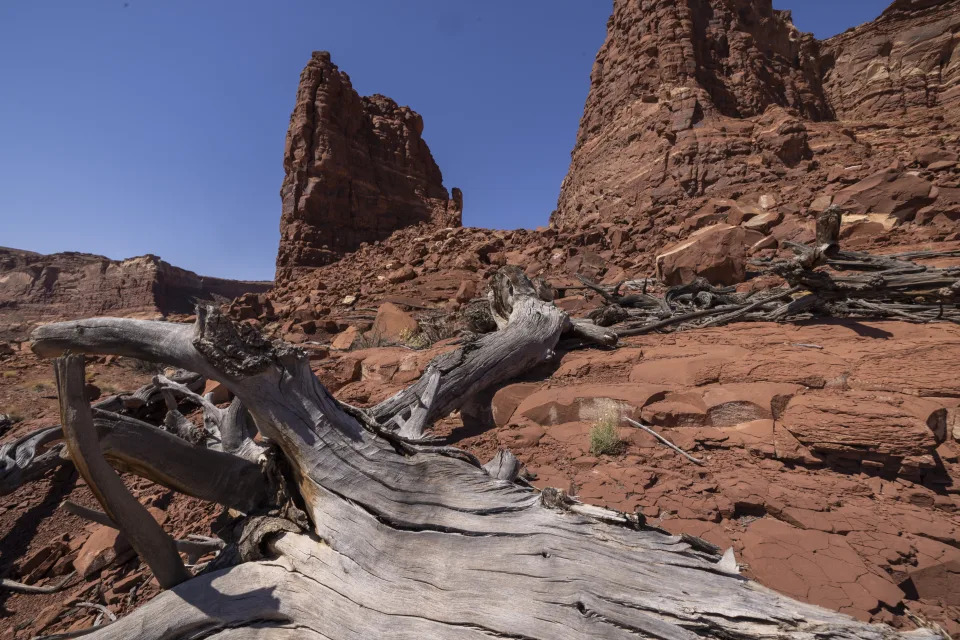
(665,442)
(147,538)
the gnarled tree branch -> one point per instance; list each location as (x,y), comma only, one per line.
(146,536)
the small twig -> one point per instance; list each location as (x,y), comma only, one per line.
(665,441)
(750,307)
(19,587)
(88,514)
(634,330)
(99,607)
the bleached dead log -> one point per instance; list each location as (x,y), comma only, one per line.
(504,466)
(529,330)
(136,447)
(416,544)
(21,461)
(147,537)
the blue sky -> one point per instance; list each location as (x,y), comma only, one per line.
(157,126)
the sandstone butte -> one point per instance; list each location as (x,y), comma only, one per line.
(712,134)
(356,170)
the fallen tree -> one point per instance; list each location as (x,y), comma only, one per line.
(832,283)
(361,530)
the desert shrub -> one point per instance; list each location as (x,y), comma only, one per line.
(414,339)
(605,434)
(368,340)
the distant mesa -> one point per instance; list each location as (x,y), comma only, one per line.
(41,288)
(356,170)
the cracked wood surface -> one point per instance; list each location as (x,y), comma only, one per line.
(422,545)
(146,536)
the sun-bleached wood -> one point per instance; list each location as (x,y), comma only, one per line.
(148,538)
(417,544)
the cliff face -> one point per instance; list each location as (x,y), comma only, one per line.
(35,287)
(357,169)
(726,98)
(908,58)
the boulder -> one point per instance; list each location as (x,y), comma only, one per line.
(891,191)
(344,340)
(393,323)
(863,425)
(717,253)
(401,275)
(466,292)
(926,156)
(103,546)
(764,222)
(585,403)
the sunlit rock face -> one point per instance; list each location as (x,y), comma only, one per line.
(356,170)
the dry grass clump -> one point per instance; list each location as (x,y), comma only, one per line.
(605,433)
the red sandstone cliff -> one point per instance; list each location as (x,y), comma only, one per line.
(357,169)
(907,59)
(36,287)
(726,99)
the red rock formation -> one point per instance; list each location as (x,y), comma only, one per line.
(35,287)
(908,58)
(357,169)
(670,90)
(725,98)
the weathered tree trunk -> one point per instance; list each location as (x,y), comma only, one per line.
(413,543)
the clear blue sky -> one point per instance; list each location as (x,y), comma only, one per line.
(157,126)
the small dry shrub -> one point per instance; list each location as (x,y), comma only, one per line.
(368,340)
(605,434)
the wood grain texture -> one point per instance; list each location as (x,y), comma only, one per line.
(148,538)
(408,543)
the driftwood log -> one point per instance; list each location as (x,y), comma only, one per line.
(402,540)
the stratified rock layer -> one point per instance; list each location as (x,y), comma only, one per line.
(36,287)
(693,99)
(908,58)
(357,169)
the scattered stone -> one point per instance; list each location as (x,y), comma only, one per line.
(393,324)
(101,548)
(344,340)
(466,292)
(717,253)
